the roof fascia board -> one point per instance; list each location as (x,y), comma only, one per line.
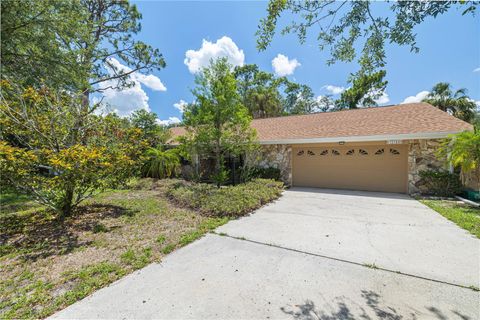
(406,136)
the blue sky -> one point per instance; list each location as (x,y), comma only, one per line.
(449,51)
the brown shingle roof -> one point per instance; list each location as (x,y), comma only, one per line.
(412,118)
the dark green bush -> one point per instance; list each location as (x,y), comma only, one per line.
(226,201)
(262,173)
(441,183)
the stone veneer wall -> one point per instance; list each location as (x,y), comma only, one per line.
(422,156)
(275,155)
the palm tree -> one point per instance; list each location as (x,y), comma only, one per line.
(161,164)
(463,150)
(456,103)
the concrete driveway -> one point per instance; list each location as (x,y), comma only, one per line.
(391,231)
(313,254)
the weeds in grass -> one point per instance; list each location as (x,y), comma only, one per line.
(137,259)
(35,292)
(90,278)
(212,223)
(168,248)
(161,239)
(190,237)
(6,249)
(98,228)
(370,265)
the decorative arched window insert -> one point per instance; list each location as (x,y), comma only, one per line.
(324,153)
(363,152)
(395,152)
(310,153)
(350,152)
(300,153)
(335,152)
(380,152)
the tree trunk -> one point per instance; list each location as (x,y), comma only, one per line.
(218,165)
(233,161)
(66,209)
(76,137)
(85,100)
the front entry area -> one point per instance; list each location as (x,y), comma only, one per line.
(379,167)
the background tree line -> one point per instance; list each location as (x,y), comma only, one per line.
(265,95)
(358,31)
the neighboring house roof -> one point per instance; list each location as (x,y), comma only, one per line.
(404,121)
(177,132)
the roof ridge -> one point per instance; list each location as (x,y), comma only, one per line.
(338,111)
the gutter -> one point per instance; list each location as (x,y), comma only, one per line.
(404,136)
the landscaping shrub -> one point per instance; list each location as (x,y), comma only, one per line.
(441,183)
(268,173)
(161,164)
(226,201)
(220,177)
(262,173)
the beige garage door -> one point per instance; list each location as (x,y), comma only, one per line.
(369,167)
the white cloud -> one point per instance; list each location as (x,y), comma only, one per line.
(476,69)
(416,98)
(124,102)
(127,100)
(169,121)
(180,105)
(383,98)
(224,47)
(334,89)
(151,81)
(282,66)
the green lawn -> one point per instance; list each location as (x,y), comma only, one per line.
(46,265)
(465,216)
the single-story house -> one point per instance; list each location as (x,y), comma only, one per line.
(373,149)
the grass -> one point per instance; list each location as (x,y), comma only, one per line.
(465,216)
(137,260)
(168,248)
(11,201)
(46,266)
(225,201)
(161,239)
